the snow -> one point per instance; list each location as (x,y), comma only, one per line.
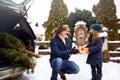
(111,70)
(38,42)
(114,52)
(119,31)
(80,23)
(114,42)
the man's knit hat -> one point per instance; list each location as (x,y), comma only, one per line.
(96,27)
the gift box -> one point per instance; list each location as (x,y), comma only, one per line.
(83,50)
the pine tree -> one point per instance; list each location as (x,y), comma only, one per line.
(57,16)
(105,12)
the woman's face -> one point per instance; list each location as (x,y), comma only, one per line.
(63,34)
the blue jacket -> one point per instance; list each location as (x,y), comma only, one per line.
(59,49)
(95,50)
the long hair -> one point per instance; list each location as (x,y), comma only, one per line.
(95,37)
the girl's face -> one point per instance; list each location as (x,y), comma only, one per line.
(92,31)
(63,34)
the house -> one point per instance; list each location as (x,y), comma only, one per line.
(39,32)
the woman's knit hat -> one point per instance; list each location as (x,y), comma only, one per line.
(96,27)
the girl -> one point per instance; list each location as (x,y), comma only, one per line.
(95,42)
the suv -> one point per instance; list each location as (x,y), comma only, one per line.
(17,25)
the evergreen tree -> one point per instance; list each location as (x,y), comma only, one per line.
(57,16)
(79,15)
(105,12)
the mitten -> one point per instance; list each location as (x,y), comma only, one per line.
(74,51)
(83,50)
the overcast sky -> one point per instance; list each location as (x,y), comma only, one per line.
(39,11)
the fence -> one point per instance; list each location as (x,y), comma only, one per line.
(114,44)
(43,47)
(46,50)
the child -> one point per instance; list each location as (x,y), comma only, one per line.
(95,42)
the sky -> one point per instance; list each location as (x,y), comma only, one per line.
(39,10)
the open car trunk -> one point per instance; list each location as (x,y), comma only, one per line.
(15,24)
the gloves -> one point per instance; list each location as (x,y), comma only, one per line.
(74,51)
(83,50)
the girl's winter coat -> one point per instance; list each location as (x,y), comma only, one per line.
(95,50)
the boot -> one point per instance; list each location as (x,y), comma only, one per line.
(63,77)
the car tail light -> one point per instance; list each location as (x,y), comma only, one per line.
(8,78)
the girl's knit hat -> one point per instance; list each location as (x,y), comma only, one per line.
(96,27)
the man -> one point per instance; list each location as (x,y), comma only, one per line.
(61,49)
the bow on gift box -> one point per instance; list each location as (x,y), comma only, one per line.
(83,50)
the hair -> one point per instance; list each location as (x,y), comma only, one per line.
(59,29)
(95,37)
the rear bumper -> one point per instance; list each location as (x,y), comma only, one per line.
(11,73)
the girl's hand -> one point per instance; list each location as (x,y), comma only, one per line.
(83,50)
(86,50)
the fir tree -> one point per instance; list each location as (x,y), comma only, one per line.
(57,16)
(105,12)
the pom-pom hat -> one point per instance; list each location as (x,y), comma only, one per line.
(96,27)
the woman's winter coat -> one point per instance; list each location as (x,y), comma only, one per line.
(59,49)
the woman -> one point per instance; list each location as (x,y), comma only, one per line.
(60,47)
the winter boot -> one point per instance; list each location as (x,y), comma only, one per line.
(63,77)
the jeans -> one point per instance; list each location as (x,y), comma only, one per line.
(96,72)
(64,66)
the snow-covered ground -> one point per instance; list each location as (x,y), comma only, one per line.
(111,70)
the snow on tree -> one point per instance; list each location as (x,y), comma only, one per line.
(105,12)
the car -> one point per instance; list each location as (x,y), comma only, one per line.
(18,26)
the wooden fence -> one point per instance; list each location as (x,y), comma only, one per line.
(47,50)
(44,47)
(114,44)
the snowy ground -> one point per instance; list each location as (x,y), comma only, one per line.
(111,71)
